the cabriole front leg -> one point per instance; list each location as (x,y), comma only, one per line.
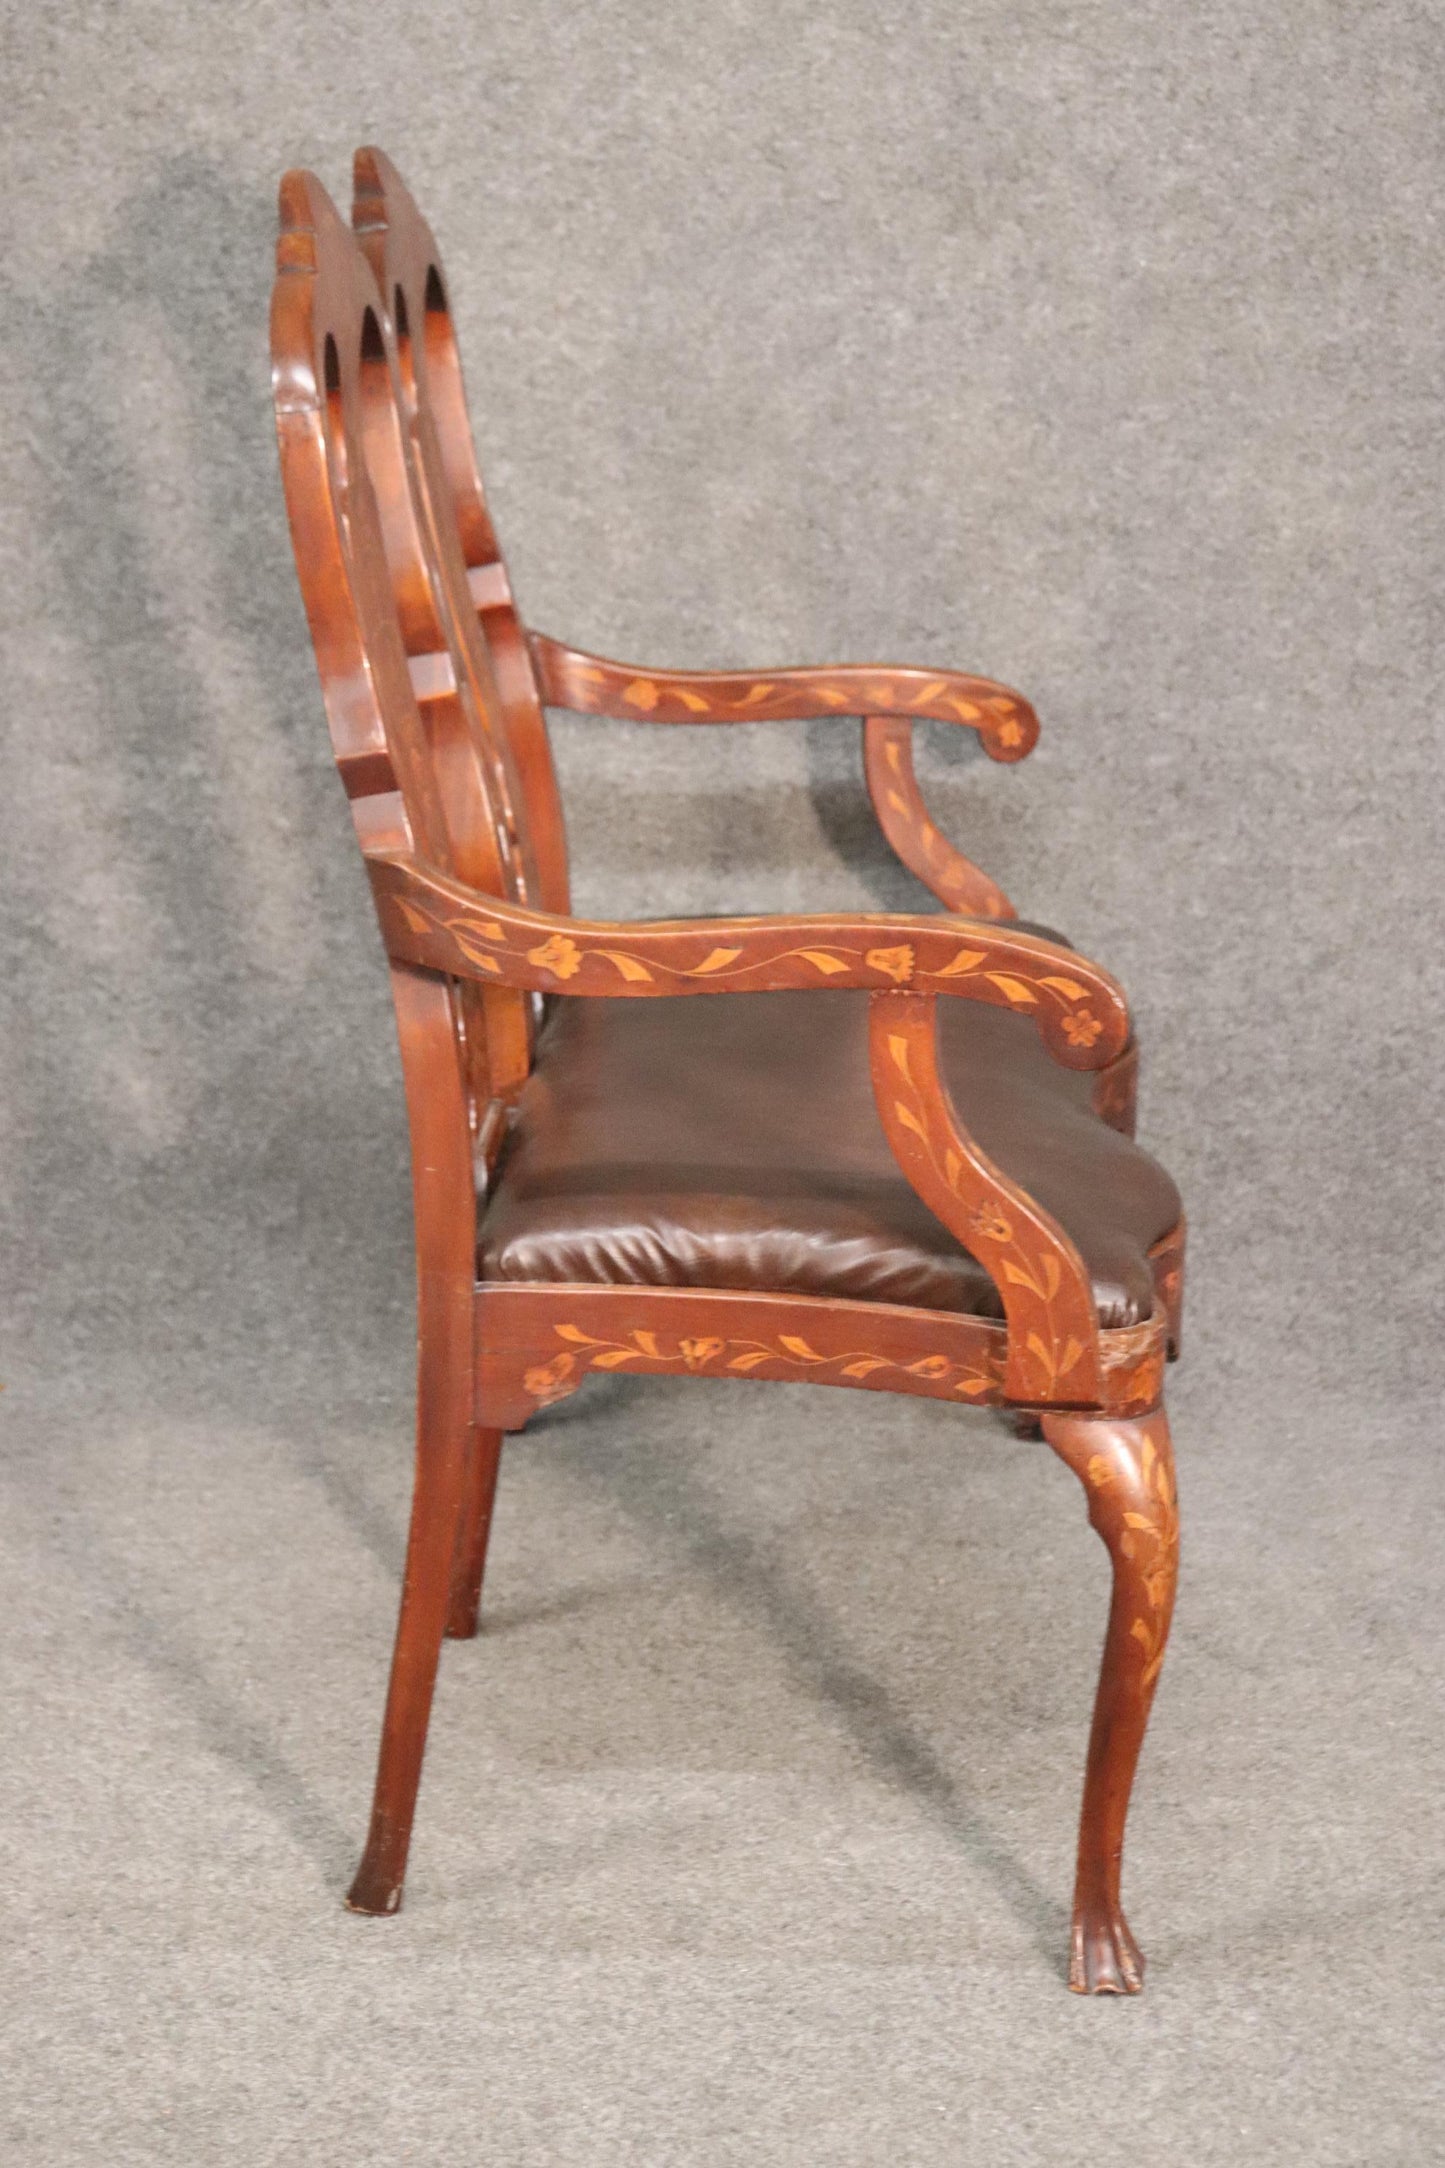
(1126,1465)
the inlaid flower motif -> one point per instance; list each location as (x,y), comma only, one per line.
(1160,1579)
(1007,728)
(989,1222)
(1081,1029)
(549,1380)
(1140,1386)
(1149,1538)
(558,954)
(641,693)
(897,962)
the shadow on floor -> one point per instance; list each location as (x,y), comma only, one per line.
(656,1487)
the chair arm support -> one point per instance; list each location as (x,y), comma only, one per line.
(591,685)
(431,919)
(1054,1357)
(904,818)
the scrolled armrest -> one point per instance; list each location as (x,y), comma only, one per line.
(428,918)
(592,685)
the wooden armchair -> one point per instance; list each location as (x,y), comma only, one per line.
(656,1147)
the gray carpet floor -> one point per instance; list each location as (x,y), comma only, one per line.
(746,1830)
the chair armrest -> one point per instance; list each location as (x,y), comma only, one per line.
(889,700)
(591,685)
(431,919)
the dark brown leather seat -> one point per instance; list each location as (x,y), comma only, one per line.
(734,1142)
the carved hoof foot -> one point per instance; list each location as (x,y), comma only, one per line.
(1106,1959)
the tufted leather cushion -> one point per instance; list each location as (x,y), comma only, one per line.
(732,1141)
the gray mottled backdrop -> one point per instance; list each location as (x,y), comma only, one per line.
(1096,348)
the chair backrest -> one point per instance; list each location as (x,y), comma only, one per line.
(403,254)
(430,695)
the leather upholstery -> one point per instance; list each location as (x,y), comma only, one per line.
(732,1141)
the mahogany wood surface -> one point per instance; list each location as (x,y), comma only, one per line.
(434,694)
(432,920)
(1167,1258)
(1116,1092)
(1048,1302)
(469,1561)
(537,1342)
(592,685)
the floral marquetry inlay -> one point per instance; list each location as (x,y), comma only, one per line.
(904,818)
(591,685)
(1151,1538)
(437,922)
(727,1356)
(1135,1507)
(1053,1337)
(996,713)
